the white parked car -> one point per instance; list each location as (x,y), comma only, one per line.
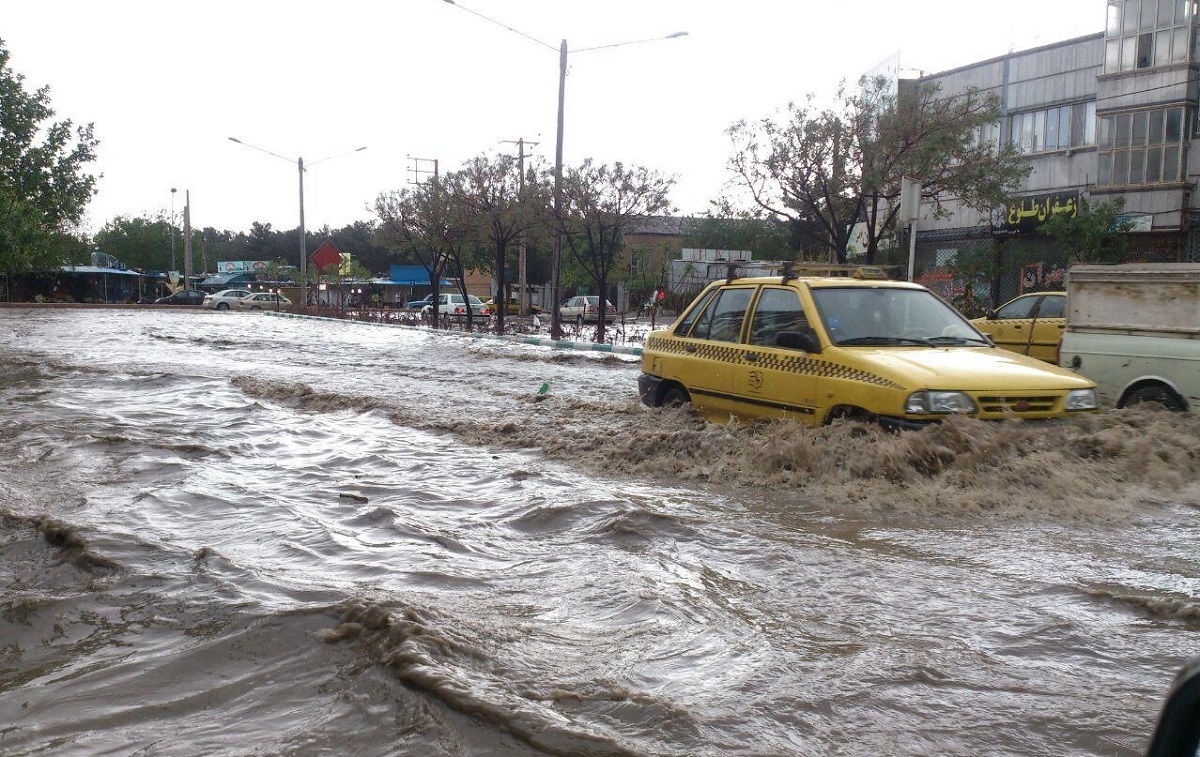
(224,299)
(262,301)
(455,305)
(585,308)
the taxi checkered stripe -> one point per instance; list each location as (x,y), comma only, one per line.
(770,361)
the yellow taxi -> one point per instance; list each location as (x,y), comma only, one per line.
(513,306)
(816,348)
(1031,324)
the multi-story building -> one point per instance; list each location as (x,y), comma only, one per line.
(1103,116)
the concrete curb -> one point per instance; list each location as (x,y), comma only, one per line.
(558,344)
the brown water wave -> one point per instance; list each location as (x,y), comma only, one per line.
(413,645)
(565,568)
(1094,466)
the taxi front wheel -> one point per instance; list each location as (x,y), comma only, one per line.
(676,396)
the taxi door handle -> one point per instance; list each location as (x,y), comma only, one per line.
(690,348)
(751,356)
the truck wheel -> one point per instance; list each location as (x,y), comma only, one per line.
(1154,393)
(676,396)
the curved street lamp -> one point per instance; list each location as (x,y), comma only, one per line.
(556,249)
(303,242)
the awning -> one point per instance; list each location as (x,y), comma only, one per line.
(224,279)
(411,275)
(97,269)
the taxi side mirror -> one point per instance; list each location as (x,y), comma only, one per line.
(991,314)
(805,340)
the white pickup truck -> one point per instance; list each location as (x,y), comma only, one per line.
(1134,329)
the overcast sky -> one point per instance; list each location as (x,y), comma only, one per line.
(167,84)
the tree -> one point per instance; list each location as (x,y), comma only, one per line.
(360,236)
(726,228)
(986,265)
(44,188)
(506,207)
(599,203)
(137,242)
(345,276)
(837,171)
(424,222)
(1096,235)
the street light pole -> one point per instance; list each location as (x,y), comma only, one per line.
(303,241)
(556,246)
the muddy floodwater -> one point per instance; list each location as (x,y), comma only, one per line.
(248,534)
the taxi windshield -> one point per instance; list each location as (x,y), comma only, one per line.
(891,316)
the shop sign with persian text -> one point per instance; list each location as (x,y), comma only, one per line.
(1023,215)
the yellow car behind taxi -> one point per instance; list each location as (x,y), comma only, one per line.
(1032,324)
(817,348)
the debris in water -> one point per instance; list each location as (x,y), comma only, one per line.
(542,392)
(354,496)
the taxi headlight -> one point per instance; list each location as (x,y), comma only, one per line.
(929,402)
(1081,399)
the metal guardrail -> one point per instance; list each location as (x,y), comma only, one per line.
(558,344)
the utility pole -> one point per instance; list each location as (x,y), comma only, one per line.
(556,241)
(522,275)
(172,229)
(187,239)
(420,167)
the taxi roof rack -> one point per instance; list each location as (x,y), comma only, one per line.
(791,270)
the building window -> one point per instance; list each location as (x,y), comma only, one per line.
(1061,128)
(1141,147)
(988,135)
(1146,33)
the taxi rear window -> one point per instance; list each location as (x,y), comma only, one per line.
(722,319)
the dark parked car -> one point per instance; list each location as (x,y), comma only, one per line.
(182,297)
(417,305)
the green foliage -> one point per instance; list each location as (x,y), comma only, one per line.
(726,228)
(139,242)
(44,188)
(1096,235)
(985,265)
(275,270)
(830,169)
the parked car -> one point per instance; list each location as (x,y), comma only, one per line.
(1134,329)
(585,308)
(454,305)
(221,300)
(417,306)
(262,301)
(193,297)
(514,306)
(1031,324)
(814,349)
